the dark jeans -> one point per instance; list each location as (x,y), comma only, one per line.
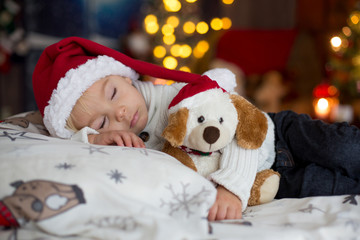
(315,158)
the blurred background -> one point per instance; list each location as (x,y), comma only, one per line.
(301,55)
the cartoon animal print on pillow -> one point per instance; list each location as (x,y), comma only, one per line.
(37,200)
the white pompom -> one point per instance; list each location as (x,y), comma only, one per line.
(224,77)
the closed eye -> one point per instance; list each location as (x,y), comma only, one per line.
(103,123)
(114,93)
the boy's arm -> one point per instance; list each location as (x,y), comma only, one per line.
(120,138)
(227,205)
(237,171)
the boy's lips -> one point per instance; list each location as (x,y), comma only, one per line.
(134,119)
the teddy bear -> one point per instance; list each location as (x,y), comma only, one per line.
(205,118)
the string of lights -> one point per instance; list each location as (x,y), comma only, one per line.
(178,34)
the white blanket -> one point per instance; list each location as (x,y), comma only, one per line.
(336,217)
(60,189)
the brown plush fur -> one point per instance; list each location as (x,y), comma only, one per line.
(252,127)
(176,128)
(259,180)
(180,155)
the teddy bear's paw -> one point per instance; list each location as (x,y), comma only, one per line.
(265,187)
(269,188)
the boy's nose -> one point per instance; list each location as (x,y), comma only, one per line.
(120,113)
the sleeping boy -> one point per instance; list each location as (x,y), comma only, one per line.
(91,93)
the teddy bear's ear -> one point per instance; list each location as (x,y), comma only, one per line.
(175,131)
(252,126)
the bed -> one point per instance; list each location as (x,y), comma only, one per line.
(62,189)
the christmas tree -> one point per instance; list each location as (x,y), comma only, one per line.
(344,60)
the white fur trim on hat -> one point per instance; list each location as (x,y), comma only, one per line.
(70,88)
(199,99)
(224,77)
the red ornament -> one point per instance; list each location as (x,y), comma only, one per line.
(325,90)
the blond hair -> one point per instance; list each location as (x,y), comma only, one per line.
(80,107)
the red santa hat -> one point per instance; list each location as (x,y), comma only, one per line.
(68,68)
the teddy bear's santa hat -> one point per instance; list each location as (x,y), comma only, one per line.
(68,68)
(194,94)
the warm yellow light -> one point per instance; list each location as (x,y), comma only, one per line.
(191,1)
(160,81)
(323,104)
(185,69)
(216,24)
(346,31)
(172,5)
(151,27)
(189,27)
(170,39)
(185,51)
(173,21)
(322,108)
(167,30)
(175,50)
(203,46)
(150,19)
(170,62)
(202,27)
(335,41)
(159,51)
(227,1)
(226,23)
(197,53)
(354,18)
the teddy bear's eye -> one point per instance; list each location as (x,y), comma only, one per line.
(221,120)
(201,119)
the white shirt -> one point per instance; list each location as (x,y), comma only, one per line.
(157,99)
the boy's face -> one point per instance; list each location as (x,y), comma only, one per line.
(112,103)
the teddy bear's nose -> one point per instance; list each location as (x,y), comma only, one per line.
(211,134)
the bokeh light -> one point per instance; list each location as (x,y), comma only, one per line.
(172,5)
(202,27)
(169,39)
(216,24)
(170,62)
(159,51)
(173,21)
(226,23)
(227,1)
(189,27)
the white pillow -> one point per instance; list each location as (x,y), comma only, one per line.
(69,188)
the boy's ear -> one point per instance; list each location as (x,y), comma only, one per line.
(175,131)
(252,126)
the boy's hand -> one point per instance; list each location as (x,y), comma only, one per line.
(120,138)
(226,206)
